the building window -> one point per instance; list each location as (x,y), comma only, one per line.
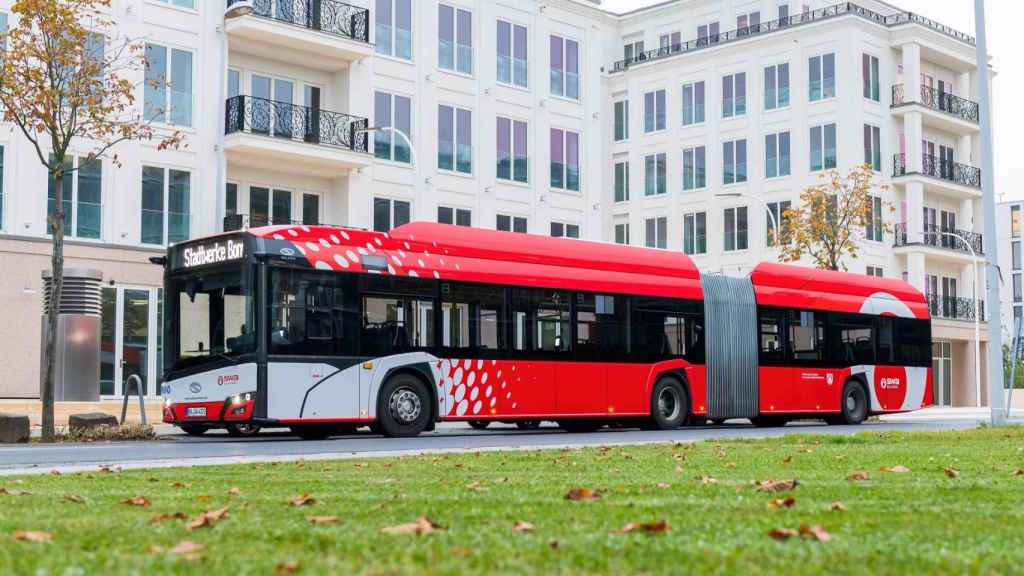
(873,147)
(695,233)
(454,139)
(1015,249)
(744,22)
(655,175)
(734,161)
(776,155)
(872,84)
(707,33)
(563,230)
(781,219)
(633,50)
(388,214)
(565,160)
(395,112)
(622,233)
(656,232)
(734,95)
(81,197)
(1,183)
(268,206)
(166,212)
(456,216)
(875,271)
(694,164)
(455,39)
(1015,221)
(513,54)
(621,120)
(783,14)
(668,43)
(735,220)
(873,229)
(565,67)
(622,181)
(776,86)
(180,3)
(310,209)
(393,33)
(513,160)
(654,111)
(822,77)
(167,97)
(823,147)
(507,223)
(1017,292)
(693,103)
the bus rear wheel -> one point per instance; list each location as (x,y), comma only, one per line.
(854,404)
(670,404)
(403,408)
(479,424)
(243,429)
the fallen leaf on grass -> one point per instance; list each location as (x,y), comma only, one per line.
(322,519)
(1018,472)
(664,485)
(163,517)
(55,472)
(553,544)
(137,501)
(74,498)
(787,459)
(776,485)
(816,532)
(782,533)
(859,476)
(207,519)
(422,525)
(187,549)
(646,527)
(786,502)
(289,567)
(837,506)
(29,536)
(460,551)
(203,498)
(679,469)
(707,480)
(898,469)
(234,491)
(181,485)
(302,500)
(15,492)
(475,485)
(583,495)
(522,526)
(952,472)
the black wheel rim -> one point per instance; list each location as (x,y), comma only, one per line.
(669,403)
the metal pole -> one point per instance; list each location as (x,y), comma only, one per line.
(771,216)
(995,336)
(977,316)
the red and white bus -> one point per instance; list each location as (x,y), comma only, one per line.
(324,329)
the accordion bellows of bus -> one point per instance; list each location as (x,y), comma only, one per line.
(323,329)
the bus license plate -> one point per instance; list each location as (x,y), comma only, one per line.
(197,412)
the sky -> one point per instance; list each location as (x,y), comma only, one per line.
(1003,18)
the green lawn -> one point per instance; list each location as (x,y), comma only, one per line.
(921,521)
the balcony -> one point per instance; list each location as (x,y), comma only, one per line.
(940,238)
(323,34)
(954,308)
(942,109)
(953,177)
(266,133)
(823,14)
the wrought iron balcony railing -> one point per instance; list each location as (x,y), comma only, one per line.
(297,123)
(841,9)
(941,101)
(330,16)
(955,308)
(940,237)
(934,167)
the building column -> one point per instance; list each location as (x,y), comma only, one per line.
(963,85)
(914,133)
(915,270)
(911,72)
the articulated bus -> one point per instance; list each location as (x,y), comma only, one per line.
(324,329)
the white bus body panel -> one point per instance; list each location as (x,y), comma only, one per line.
(212,386)
(312,390)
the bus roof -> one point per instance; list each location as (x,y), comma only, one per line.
(459,253)
(813,289)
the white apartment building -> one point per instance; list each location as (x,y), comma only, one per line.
(1008,228)
(677,126)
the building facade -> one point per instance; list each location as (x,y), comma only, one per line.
(690,125)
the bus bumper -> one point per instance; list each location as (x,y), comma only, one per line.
(238,408)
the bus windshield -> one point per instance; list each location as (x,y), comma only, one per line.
(212,316)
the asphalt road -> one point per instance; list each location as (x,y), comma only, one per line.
(217,448)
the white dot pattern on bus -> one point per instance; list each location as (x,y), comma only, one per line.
(463,390)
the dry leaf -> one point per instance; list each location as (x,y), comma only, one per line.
(648,527)
(422,525)
(1018,472)
(898,469)
(776,485)
(583,495)
(162,517)
(859,476)
(553,544)
(187,549)
(815,532)
(289,567)
(474,485)
(322,519)
(952,472)
(29,536)
(787,459)
(137,501)
(706,480)
(786,502)
(203,498)
(181,485)
(522,526)
(303,500)
(664,485)
(782,533)
(837,506)
(207,519)
(460,551)
(234,491)
(74,498)
(55,472)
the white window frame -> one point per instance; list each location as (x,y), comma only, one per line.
(692,185)
(778,155)
(166,111)
(824,154)
(692,217)
(72,231)
(735,210)
(778,104)
(512,219)
(732,112)
(456,57)
(565,74)
(655,126)
(660,178)
(565,229)
(874,79)
(693,103)
(512,55)
(624,228)
(821,79)
(873,146)
(391,210)
(778,211)
(623,107)
(660,232)
(455,141)
(166,199)
(624,162)
(393,29)
(456,210)
(512,150)
(391,124)
(735,162)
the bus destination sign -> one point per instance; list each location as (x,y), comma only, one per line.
(215,253)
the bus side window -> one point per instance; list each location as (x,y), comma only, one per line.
(806,335)
(601,329)
(541,320)
(392,325)
(886,345)
(770,334)
(852,340)
(913,339)
(472,318)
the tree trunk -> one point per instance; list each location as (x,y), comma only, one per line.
(56,289)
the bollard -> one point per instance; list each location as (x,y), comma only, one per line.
(127,392)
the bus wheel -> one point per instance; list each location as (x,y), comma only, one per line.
(669,404)
(854,404)
(313,431)
(479,424)
(404,406)
(243,430)
(193,429)
(580,425)
(528,424)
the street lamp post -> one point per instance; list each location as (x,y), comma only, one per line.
(403,135)
(977,316)
(771,215)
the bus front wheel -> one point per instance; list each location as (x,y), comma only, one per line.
(404,406)
(669,404)
(854,404)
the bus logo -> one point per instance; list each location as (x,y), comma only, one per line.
(229,379)
(195,388)
(889,383)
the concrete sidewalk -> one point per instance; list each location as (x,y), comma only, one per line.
(34,409)
(946,413)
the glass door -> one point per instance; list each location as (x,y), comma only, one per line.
(942,373)
(130,341)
